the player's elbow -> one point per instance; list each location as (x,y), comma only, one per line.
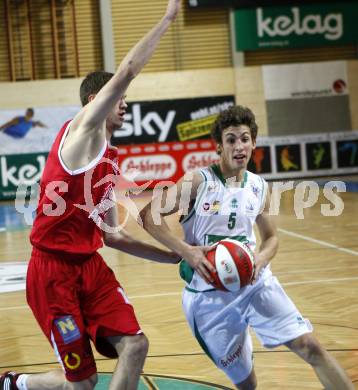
(274,243)
(110,239)
(144,218)
(128,71)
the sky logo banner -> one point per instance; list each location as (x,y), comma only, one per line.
(307,98)
(170,120)
(296,26)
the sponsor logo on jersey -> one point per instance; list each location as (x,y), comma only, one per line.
(234,204)
(250,208)
(213,208)
(255,190)
(68,329)
(213,187)
(231,358)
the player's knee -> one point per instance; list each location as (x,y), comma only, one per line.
(309,349)
(86,384)
(250,383)
(137,346)
(92,381)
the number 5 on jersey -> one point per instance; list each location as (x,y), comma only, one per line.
(232,221)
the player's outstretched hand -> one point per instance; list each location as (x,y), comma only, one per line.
(198,261)
(173,9)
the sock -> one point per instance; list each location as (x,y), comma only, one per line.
(21,382)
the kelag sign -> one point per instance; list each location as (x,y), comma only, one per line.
(17,169)
(170,120)
(296,26)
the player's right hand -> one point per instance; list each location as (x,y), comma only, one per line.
(197,260)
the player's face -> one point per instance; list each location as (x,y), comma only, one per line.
(29,114)
(118,112)
(236,149)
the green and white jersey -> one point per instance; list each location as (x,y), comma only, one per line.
(222,209)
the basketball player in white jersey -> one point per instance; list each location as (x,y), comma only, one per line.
(226,200)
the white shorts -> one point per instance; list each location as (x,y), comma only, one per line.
(219,320)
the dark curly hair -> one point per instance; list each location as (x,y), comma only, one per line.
(93,83)
(234,116)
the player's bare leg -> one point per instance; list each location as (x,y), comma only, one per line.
(249,383)
(330,373)
(132,351)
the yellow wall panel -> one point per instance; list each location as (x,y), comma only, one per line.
(196,40)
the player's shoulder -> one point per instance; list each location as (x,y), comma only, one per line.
(256,184)
(251,177)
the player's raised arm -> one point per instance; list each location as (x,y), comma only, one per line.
(99,108)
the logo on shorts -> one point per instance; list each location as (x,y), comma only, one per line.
(72,361)
(229,359)
(68,329)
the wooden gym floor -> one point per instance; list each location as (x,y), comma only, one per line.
(317,264)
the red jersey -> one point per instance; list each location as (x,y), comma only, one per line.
(72,204)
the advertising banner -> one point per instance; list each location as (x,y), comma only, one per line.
(168,161)
(307,98)
(16,169)
(170,120)
(296,26)
(299,156)
(38,137)
(274,158)
(24,149)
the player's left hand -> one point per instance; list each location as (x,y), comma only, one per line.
(260,263)
(173,9)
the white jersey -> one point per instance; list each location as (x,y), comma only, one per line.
(220,211)
(220,319)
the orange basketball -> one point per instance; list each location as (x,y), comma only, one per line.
(234,263)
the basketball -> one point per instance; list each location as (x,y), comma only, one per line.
(234,263)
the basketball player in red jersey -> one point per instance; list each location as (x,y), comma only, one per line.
(72,293)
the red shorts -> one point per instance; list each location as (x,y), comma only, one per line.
(75,301)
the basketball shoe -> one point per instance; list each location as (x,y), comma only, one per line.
(8,380)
